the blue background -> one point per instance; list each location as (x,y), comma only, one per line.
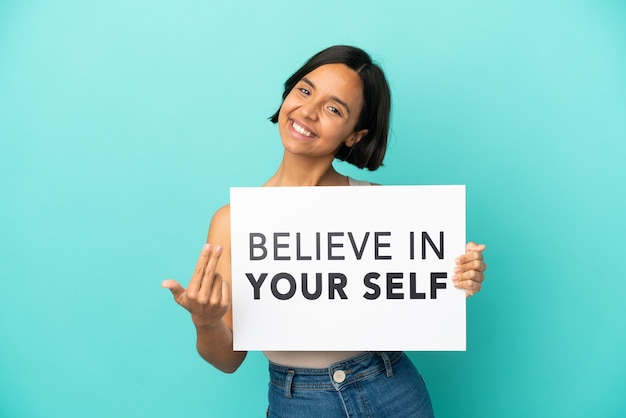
(124,123)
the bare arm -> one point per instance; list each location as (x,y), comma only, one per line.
(208,297)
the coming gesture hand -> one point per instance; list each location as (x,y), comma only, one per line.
(207,296)
(469,272)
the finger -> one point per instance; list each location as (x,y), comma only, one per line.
(217,290)
(214,257)
(469,256)
(461,266)
(471,287)
(174,287)
(209,272)
(198,273)
(472,275)
(478,265)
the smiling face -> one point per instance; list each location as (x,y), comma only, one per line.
(320,113)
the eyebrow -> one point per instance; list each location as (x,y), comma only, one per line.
(335,98)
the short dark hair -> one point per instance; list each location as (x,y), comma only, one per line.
(370,150)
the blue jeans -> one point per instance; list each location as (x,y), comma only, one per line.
(373,384)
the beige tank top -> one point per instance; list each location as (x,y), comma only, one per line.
(313,359)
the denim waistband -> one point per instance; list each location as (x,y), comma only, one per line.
(335,376)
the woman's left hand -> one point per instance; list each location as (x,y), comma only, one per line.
(469,272)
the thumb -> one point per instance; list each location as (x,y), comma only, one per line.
(471,246)
(174,287)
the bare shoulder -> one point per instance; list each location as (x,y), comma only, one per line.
(222,215)
(219,230)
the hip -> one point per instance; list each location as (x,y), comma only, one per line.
(370,384)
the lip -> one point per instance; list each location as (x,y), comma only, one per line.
(297,134)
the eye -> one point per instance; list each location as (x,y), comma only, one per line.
(304,91)
(334,110)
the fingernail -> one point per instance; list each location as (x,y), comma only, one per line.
(455,278)
(457,269)
(207,247)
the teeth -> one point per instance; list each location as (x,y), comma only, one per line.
(301,130)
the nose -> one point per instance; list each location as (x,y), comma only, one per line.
(309,110)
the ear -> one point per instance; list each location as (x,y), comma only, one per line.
(355,138)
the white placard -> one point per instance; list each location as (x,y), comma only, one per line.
(347,268)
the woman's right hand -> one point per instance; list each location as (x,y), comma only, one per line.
(207,296)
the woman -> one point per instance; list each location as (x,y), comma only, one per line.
(336,106)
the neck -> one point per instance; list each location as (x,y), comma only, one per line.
(297,171)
